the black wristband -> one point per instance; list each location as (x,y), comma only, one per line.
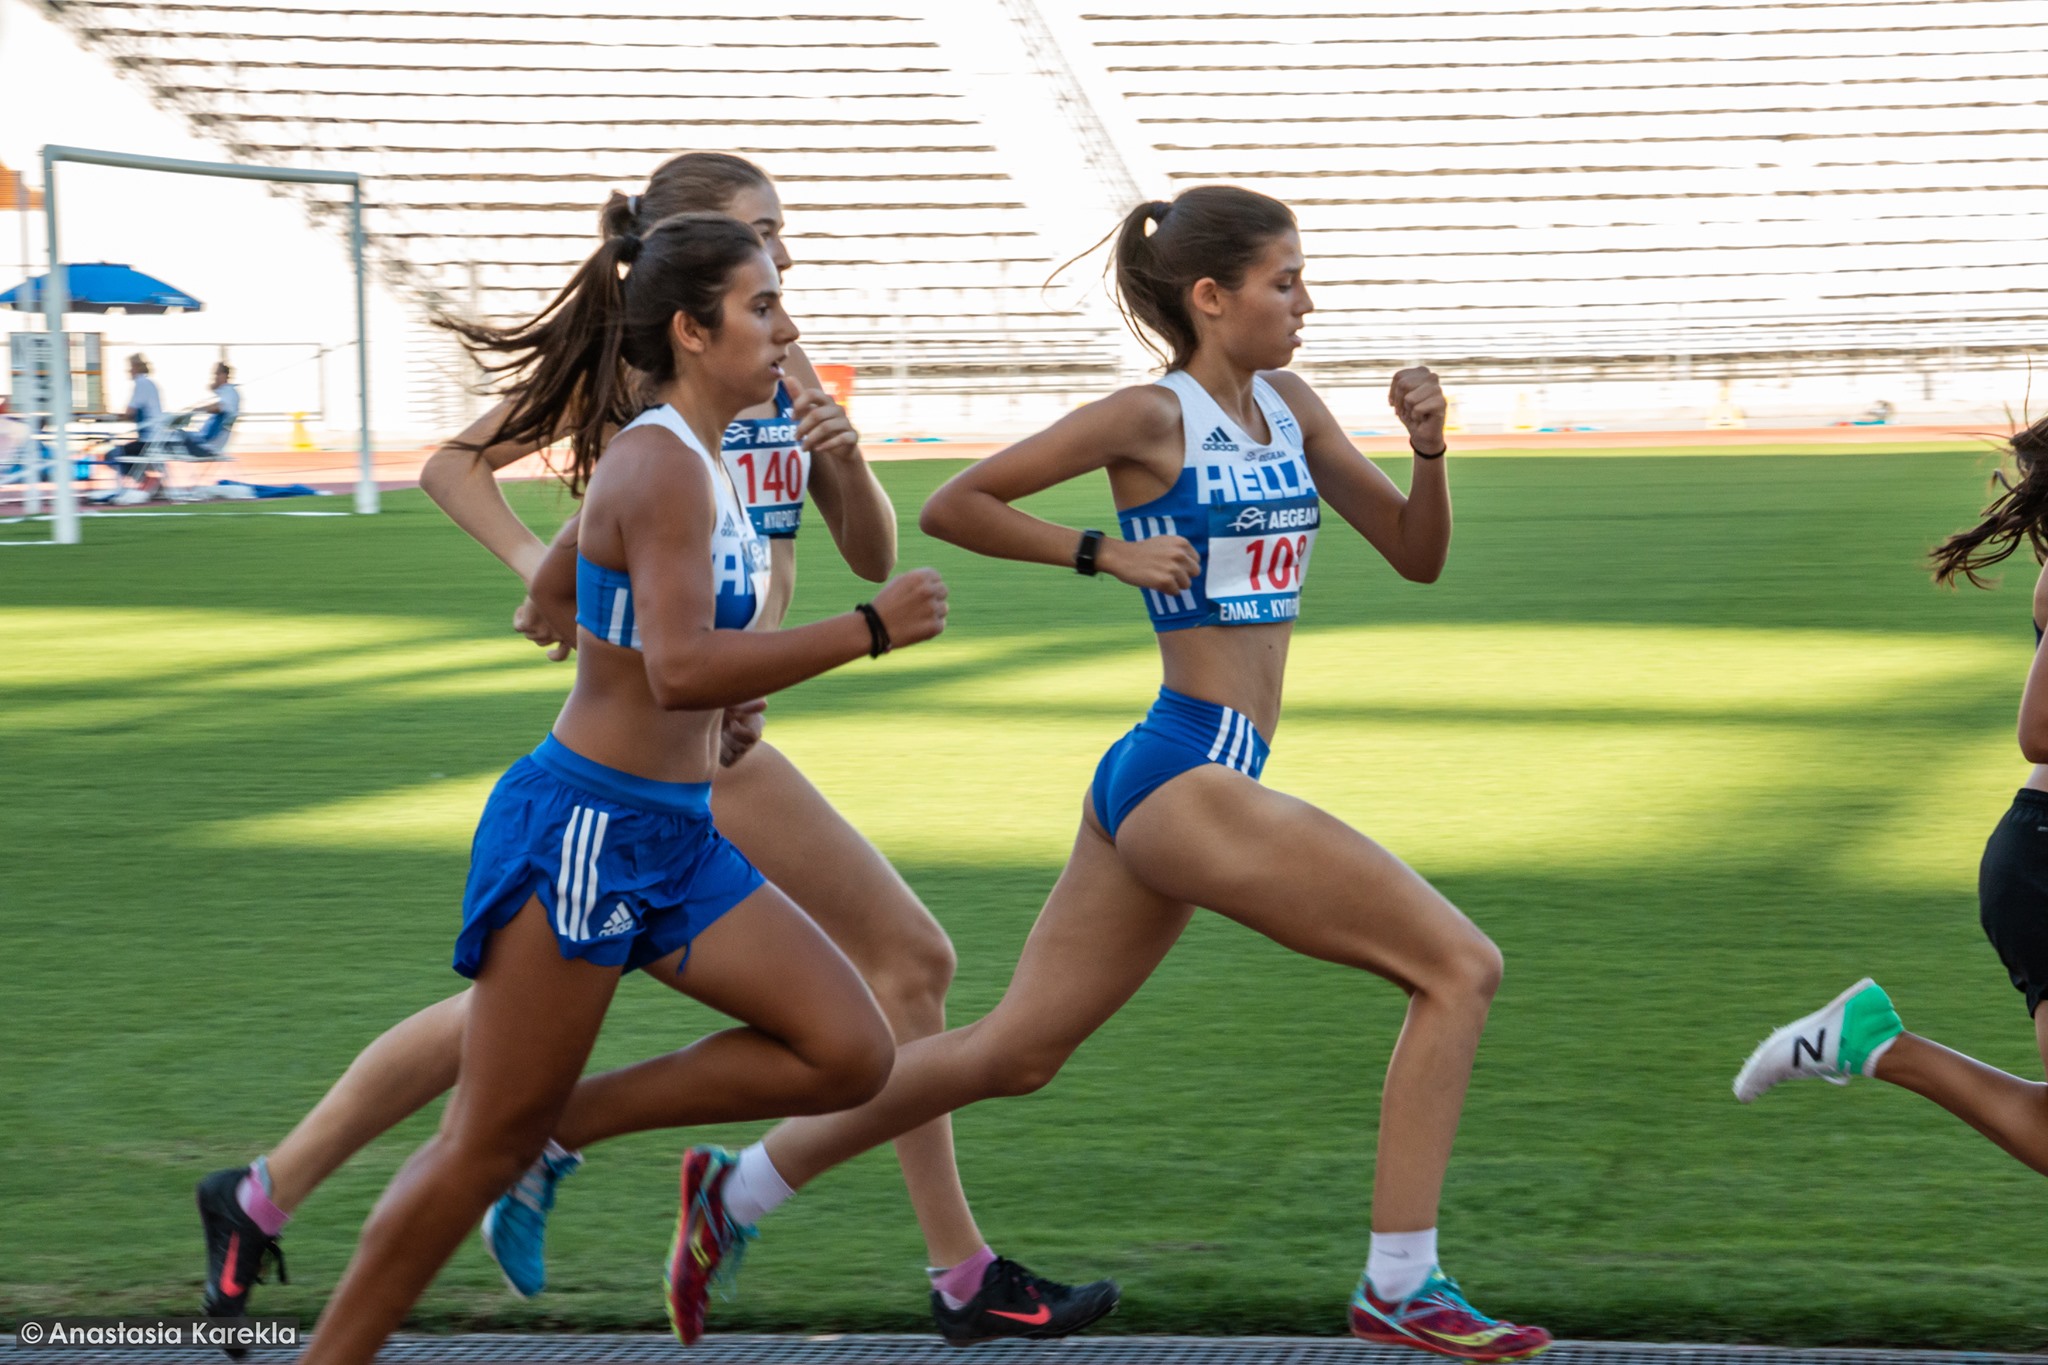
(1084,554)
(1425,455)
(878,634)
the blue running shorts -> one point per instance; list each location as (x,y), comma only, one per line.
(629,869)
(1177,734)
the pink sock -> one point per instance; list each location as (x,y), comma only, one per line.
(962,1282)
(255,1201)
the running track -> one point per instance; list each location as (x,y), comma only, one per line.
(637,1349)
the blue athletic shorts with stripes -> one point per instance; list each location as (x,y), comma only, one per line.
(1177,734)
(628,869)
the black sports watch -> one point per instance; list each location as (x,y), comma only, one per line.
(1084,554)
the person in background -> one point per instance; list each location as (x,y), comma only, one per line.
(146,411)
(212,438)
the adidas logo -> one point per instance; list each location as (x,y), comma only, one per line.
(621,920)
(1219,440)
(727,528)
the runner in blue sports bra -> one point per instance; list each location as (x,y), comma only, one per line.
(797,443)
(596,854)
(1221,472)
(739,561)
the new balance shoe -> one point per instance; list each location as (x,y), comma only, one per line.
(1013,1302)
(1437,1318)
(708,1246)
(1841,1040)
(516,1228)
(235,1249)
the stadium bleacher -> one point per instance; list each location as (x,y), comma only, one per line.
(1573,190)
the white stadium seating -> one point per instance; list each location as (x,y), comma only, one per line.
(1515,188)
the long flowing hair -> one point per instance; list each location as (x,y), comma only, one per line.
(2019,514)
(582,364)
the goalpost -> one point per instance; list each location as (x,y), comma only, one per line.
(57,302)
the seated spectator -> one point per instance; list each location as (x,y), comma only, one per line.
(212,439)
(146,410)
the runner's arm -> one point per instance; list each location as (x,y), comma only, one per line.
(852,500)
(2034,701)
(463,482)
(1412,530)
(973,509)
(665,522)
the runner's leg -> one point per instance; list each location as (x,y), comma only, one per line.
(790,831)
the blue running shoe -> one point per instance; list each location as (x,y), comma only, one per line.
(516,1228)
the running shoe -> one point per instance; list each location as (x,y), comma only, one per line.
(1437,1318)
(1837,1042)
(516,1228)
(1013,1302)
(708,1244)
(235,1249)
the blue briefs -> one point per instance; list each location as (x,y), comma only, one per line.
(1177,734)
(629,869)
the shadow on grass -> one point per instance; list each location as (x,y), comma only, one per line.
(1212,1146)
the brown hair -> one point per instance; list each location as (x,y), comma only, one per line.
(1211,232)
(695,182)
(568,367)
(2018,513)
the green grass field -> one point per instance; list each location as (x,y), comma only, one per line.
(1692,737)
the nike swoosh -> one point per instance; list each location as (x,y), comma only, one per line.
(1043,1315)
(227,1271)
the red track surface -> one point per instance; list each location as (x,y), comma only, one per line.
(400,468)
(335,470)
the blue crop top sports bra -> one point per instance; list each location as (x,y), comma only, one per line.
(739,559)
(1250,511)
(769,468)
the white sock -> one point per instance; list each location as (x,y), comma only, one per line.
(755,1188)
(1400,1262)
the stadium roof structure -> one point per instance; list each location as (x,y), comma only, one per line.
(1503,185)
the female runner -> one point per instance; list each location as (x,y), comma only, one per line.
(774,452)
(1219,471)
(597,852)
(1858,1033)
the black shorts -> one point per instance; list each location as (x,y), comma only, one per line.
(2012,894)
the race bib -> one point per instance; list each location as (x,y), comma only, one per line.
(1258,556)
(770,474)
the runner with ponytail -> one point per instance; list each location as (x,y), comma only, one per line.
(596,854)
(1858,1034)
(797,441)
(1220,472)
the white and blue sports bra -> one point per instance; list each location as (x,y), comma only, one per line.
(769,468)
(739,558)
(1250,511)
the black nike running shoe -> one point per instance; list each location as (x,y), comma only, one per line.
(1013,1302)
(235,1250)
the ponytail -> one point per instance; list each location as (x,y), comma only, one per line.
(1211,232)
(2019,513)
(695,182)
(583,363)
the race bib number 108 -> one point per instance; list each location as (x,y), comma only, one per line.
(1258,556)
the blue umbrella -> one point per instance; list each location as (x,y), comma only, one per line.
(102,288)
